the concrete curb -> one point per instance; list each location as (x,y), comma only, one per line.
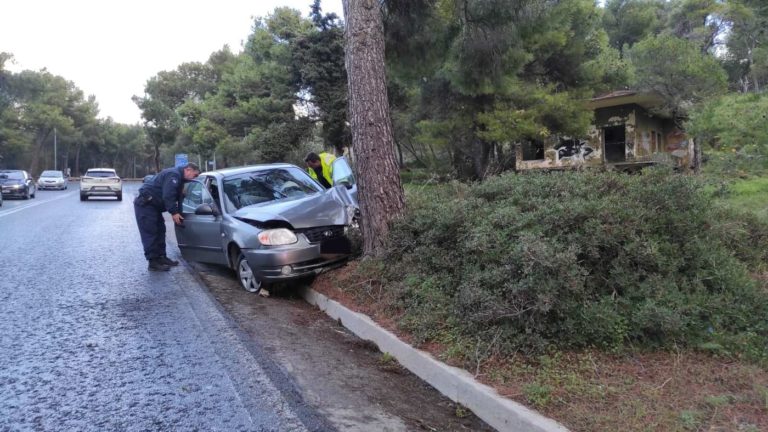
(456,384)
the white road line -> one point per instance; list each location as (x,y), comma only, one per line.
(35,204)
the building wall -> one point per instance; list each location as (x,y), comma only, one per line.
(645,137)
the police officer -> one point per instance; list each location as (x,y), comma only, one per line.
(320,167)
(162,193)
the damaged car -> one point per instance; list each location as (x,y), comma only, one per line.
(269,223)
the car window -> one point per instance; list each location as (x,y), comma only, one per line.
(342,172)
(266,185)
(194,195)
(18,175)
(52,174)
(94,173)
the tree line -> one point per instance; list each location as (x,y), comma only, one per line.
(467,80)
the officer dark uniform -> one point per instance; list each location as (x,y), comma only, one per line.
(163,193)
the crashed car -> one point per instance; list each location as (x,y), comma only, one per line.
(269,223)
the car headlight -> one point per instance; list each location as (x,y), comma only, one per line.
(277,237)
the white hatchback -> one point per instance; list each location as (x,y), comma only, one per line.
(101,182)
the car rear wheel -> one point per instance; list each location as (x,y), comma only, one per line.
(248,279)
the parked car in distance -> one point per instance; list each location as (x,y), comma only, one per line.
(148,178)
(269,223)
(17,183)
(52,179)
(101,182)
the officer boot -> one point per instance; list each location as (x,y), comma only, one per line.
(167,261)
(156,264)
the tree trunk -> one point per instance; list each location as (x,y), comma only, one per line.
(381,193)
(40,138)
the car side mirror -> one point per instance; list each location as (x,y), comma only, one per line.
(206,210)
(345,183)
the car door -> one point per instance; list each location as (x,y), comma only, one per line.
(343,175)
(199,237)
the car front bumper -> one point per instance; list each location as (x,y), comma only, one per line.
(282,264)
(14,192)
(50,185)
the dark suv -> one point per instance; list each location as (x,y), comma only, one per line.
(17,183)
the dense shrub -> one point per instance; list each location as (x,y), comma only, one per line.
(578,259)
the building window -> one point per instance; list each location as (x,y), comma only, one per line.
(533,150)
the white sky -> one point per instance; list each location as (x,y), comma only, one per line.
(110,48)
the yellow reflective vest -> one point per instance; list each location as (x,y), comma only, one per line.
(326,162)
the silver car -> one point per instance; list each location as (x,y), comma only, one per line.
(52,179)
(269,223)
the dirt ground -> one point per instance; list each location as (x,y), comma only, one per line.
(344,378)
(594,391)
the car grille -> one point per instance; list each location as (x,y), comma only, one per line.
(318,234)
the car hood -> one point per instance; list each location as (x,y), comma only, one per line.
(321,209)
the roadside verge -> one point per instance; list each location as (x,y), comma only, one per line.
(456,384)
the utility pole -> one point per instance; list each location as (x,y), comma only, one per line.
(54,149)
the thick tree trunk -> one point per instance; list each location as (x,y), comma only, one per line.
(380,191)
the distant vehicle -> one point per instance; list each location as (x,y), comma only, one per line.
(270,223)
(148,178)
(101,182)
(52,180)
(17,183)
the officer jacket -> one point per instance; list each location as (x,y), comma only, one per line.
(326,163)
(165,188)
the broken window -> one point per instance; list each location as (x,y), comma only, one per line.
(533,150)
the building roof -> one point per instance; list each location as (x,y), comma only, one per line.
(625,97)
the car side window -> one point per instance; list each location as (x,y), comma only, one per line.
(342,173)
(195,194)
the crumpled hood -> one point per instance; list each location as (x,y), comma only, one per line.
(321,209)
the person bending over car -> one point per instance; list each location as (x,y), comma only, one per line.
(320,167)
(162,193)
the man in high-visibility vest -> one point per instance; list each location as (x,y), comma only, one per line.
(320,167)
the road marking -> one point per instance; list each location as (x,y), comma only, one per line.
(9,212)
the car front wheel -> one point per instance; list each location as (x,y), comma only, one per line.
(248,279)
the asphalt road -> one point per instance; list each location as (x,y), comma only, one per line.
(89,340)
(92,341)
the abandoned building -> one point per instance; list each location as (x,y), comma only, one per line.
(626,134)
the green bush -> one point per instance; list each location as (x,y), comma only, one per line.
(578,259)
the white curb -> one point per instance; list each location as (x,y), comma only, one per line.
(456,384)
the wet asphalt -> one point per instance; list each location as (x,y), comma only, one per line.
(92,341)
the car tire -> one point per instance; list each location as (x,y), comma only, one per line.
(26,194)
(83,197)
(120,196)
(248,280)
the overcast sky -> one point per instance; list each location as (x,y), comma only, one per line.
(110,48)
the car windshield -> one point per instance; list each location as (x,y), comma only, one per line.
(266,185)
(51,174)
(90,173)
(16,175)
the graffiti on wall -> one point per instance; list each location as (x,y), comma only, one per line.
(574,150)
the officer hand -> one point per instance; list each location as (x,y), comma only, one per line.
(177,218)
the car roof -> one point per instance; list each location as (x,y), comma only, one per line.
(226,172)
(100,169)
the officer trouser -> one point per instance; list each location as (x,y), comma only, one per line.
(151,228)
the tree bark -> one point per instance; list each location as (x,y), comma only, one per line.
(380,191)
